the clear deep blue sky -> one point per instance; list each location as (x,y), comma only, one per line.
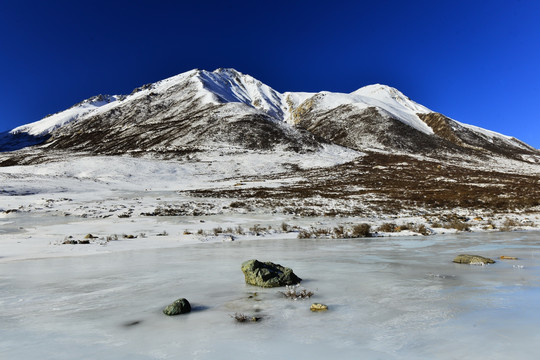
(475,61)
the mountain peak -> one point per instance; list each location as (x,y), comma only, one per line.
(229,85)
(391,96)
(374,88)
(228,71)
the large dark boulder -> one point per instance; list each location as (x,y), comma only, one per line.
(268,274)
(473,259)
(180,306)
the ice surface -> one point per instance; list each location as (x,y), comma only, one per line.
(389,298)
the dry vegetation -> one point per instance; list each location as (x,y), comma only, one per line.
(293,293)
(389,184)
(393,228)
(338,232)
(240,317)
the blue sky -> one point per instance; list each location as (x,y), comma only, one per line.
(475,61)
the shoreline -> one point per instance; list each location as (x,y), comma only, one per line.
(80,237)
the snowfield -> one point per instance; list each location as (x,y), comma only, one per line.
(43,205)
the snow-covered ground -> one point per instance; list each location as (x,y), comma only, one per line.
(389,297)
(128,173)
(43,205)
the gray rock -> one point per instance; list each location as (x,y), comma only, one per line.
(472,259)
(268,274)
(180,306)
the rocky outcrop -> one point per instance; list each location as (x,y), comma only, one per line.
(477,139)
(180,306)
(473,259)
(268,274)
(441,126)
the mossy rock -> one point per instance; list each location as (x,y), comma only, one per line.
(472,259)
(180,306)
(268,274)
(318,307)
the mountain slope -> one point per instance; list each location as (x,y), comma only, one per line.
(52,122)
(228,85)
(389,101)
(191,112)
(200,110)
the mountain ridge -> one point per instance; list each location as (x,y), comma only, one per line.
(199,108)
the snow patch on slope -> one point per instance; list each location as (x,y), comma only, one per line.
(210,169)
(487,133)
(229,85)
(78,111)
(396,104)
(391,97)
(295,99)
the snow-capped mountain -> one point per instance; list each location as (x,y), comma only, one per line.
(225,142)
(198,109)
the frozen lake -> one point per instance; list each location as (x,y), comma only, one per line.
(389,298)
